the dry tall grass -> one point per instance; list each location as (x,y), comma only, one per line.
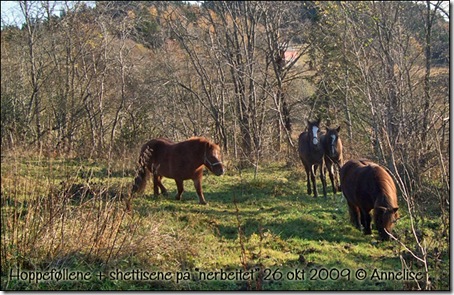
(54,218)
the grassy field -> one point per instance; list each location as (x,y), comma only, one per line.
(64,227)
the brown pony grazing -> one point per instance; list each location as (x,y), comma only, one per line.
(368,186)
(310,151)
(332,147)
(179,161)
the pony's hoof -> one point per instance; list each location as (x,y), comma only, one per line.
(203,203)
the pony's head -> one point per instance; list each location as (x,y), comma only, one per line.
(313,127)
(385,219)
(385,209)
(332,142)
(212,158)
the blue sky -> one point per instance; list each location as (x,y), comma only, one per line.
(10,13)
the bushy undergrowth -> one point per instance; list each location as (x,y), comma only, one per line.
(68,215)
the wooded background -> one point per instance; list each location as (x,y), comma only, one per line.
(100,80)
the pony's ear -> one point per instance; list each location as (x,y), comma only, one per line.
(338,129)
(318,121)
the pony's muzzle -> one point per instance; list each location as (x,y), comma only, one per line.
(217,168)
(218,171)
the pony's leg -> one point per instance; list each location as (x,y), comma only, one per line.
(198,188)
(323,179)
(180,189)
(156,185)
(314,184)
(337,175)
(354,215)
(308,182)
(161,186)
(365,221)
(330,168)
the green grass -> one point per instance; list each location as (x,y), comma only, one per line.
(69,214)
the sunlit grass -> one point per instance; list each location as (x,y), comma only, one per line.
(70,214)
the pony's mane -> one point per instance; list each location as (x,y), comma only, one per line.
(387,186)
(200,139)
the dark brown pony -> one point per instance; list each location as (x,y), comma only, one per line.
(368,186)
(179,161)
(332,147)
(310,151)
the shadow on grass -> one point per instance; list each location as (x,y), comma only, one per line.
(288,216)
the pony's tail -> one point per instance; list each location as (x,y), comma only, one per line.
(143,173)
(140,181)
